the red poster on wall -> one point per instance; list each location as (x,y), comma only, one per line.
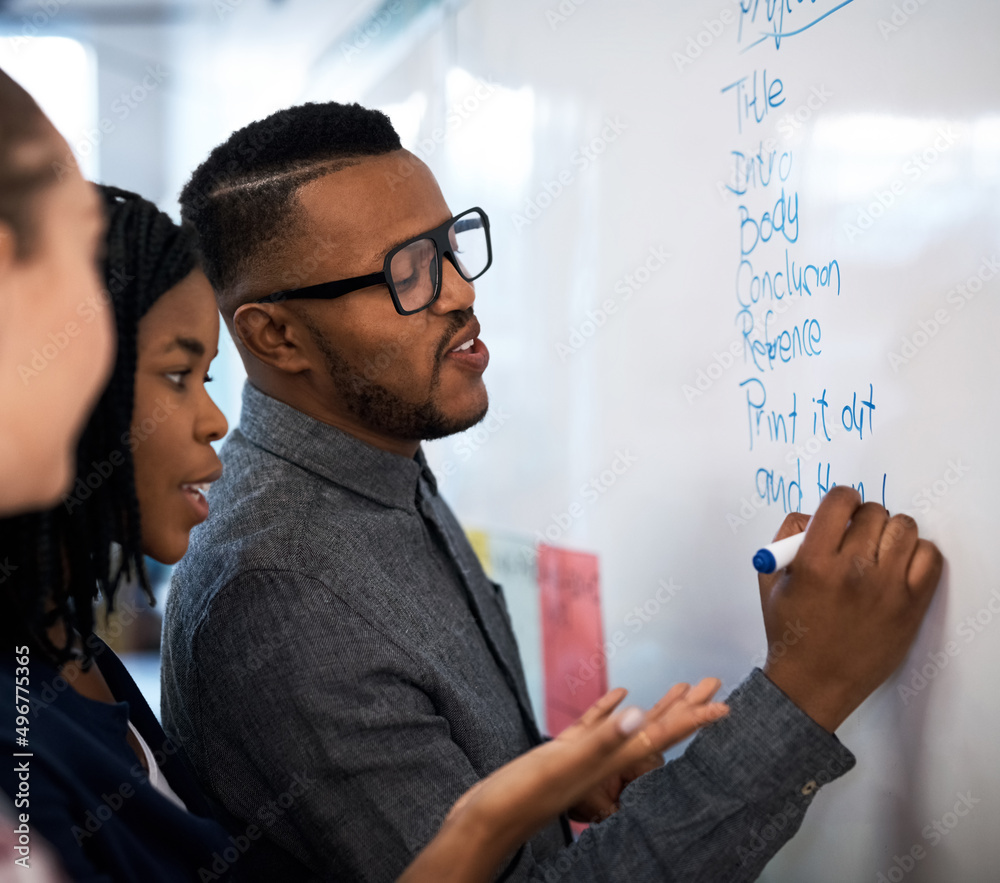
(572,635)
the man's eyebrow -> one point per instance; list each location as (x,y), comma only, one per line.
(420,235)
(195,347)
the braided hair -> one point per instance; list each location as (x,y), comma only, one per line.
(57,560)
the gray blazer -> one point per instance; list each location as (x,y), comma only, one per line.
(340,670)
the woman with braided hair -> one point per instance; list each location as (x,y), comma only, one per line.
(108,789)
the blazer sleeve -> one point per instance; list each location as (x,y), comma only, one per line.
(317,729)
(721,811)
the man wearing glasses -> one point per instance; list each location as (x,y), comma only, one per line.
(335,661)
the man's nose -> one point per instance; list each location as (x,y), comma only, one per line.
(456,293)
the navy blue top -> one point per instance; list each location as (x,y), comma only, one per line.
(89,796)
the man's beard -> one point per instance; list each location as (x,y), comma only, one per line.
(381,409)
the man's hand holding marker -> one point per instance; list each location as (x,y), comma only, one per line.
(855,586)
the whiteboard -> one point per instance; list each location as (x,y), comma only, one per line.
(600,137)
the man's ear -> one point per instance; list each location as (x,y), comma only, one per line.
(274,335)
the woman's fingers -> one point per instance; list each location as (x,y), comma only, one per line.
(703,691)
(630,719)
(710,713)
(678,714)
(699,694)
(557,774)
(674,695)
(602,707)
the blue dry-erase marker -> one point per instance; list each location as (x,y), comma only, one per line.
(779,554)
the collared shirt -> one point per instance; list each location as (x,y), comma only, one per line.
(341,670)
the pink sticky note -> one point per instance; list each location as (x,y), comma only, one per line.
(572,634)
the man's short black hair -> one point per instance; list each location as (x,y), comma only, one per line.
(241,200)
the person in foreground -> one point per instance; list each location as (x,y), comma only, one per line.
(333,582)
(50,228)
(56,344)
(108,789)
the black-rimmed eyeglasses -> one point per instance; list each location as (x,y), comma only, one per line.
(412,270)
